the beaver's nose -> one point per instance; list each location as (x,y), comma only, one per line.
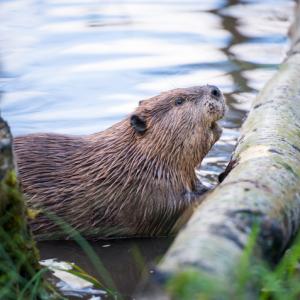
(215,92)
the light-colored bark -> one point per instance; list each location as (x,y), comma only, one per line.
(262,186)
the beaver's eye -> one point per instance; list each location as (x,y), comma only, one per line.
(179,101)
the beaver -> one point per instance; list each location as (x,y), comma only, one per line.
(132,179)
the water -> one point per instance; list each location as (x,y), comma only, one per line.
(76,67)
(124,259)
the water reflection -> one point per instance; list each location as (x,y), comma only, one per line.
(76,67)
(124,259)
(62,64)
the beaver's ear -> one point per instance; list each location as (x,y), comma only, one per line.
(138,123)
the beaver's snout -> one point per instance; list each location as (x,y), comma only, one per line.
(215,102)
(215,92)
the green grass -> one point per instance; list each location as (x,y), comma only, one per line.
(21,276)
(107,283)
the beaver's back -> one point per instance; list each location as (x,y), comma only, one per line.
(40,159)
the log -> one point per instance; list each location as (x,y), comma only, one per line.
(21,276)
(260,189)
(295,31)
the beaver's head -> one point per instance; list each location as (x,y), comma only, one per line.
(181,121)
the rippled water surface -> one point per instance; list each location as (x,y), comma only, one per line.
(76,67)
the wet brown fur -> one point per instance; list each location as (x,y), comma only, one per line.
(122,181)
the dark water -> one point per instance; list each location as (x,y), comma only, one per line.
(125,260)
(74,66)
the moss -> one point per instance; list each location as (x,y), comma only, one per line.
(21,276)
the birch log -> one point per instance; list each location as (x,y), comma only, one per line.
(262,185)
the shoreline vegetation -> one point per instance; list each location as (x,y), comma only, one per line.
(216,254)
(21,276)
